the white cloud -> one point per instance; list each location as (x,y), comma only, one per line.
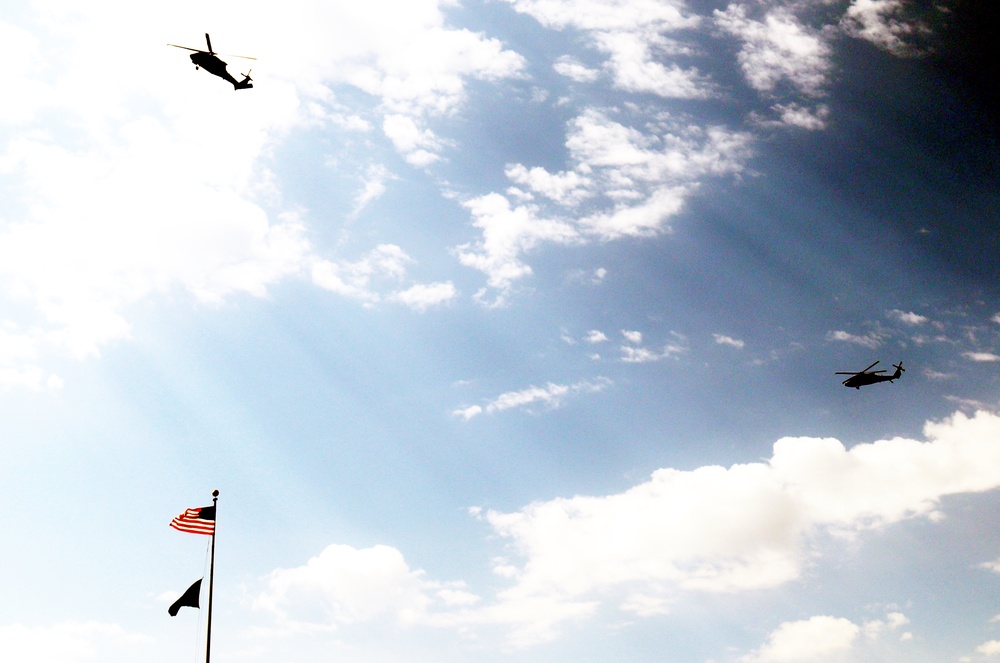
(69,642)
(106,229)
(530,620)
(573,69)
(644,219)
(550,396)
(19,350)
(634,355)
(634,182)
(418,146)
(632,336)
(744,527)
(896,619)
(893,621)
(595,336)
(909,317)
(634,63)
(989,648)
(967,404)
(153,178)
(346,585)
(373,187)
(633,34)
(25,94)
(507,233)
(883,23)
(468,412)
(722,339)
(778,49)
(641,355)
(607,15)
(811,639)
(674,152)
(825,638)
(373,278)
(984,357)
(29,377)
(404,55)
(354,279)
(563,188)
(711,529)
(423,296)
(870,340)
(795,115)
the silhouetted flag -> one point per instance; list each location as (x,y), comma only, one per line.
(188,598)
(196,521)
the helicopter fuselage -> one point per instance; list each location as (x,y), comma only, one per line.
(859,381)
(214,65)
(862,379)
(209,62)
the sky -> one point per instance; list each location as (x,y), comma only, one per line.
(507,330)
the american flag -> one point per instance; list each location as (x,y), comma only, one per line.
(196,521)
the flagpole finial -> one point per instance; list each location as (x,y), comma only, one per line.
(215,493)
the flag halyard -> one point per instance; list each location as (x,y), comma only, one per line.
(196,521)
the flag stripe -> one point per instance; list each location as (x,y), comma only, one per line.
(194,521)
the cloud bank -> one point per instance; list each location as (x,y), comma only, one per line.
(152,180)
(712,529)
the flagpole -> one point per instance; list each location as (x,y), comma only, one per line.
(211,581)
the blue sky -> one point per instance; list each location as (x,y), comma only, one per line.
(507,331)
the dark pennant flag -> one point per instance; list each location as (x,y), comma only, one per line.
(188,598)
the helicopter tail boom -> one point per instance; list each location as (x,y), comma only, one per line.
(245,84)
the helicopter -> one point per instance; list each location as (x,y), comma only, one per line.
(867,376)
(213,65)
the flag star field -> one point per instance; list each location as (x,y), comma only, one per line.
(507,330)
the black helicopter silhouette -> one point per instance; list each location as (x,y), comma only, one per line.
(208,61)
(862,378)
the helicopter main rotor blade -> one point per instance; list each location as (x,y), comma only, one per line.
(188,48)
(209,42)
(866,370)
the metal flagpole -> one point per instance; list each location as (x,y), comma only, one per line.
(211,580)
